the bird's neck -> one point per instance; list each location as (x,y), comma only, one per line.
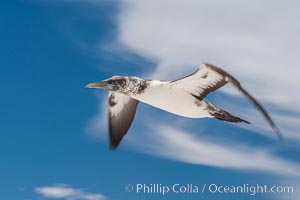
(134,85)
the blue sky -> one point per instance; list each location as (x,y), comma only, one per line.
(53,133)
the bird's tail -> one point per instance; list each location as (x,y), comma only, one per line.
(222,114)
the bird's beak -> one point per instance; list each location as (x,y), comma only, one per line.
(101,84)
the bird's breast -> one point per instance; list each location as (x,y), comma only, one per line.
(178,102)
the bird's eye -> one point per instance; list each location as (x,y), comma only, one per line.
(111,82)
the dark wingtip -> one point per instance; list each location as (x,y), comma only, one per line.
(278,133)
(264,112)
(112,148)
(113,144)
(245,121)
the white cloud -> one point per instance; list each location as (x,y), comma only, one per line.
(176,144)
(62,191)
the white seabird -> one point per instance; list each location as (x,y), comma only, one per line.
(184,97)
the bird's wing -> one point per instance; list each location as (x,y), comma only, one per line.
(209,78)
(206,79)
(121,111)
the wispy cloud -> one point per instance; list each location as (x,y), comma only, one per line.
(180,145)
(62,191)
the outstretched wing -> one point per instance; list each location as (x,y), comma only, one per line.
(209,78)
(121,112)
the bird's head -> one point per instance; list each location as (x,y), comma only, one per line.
(114,83)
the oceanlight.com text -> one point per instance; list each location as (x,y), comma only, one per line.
(212,188)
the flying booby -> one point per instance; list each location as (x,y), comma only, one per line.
(184,97)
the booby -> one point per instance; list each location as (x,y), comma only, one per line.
(184,97)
